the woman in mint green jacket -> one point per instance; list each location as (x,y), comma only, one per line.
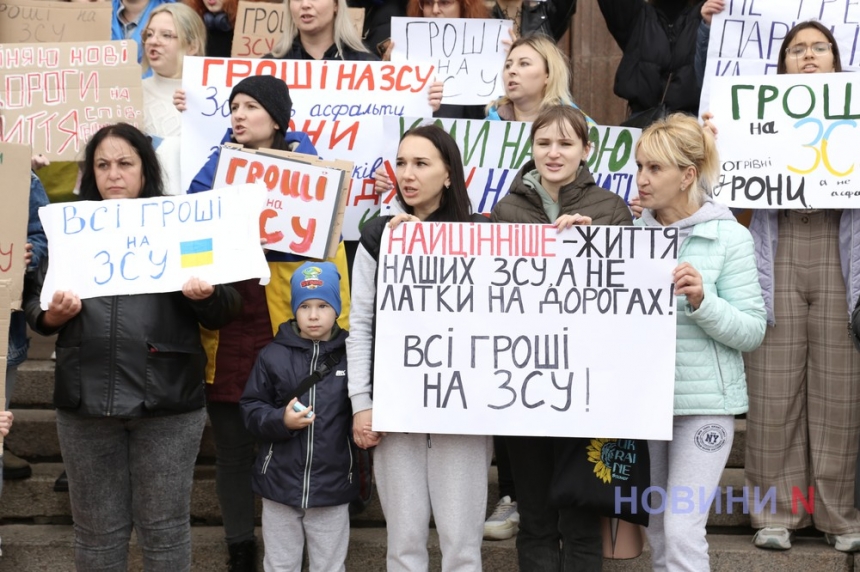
(721,314)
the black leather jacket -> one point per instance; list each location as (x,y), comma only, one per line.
(132,356)
(551,18)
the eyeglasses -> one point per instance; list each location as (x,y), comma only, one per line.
(165,37)
(443,4)
(818,49)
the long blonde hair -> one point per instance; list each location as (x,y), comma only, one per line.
(344,31)
(680,140)
(190,31)
(557,91)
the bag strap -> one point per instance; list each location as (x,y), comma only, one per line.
(322,369)
(665,91)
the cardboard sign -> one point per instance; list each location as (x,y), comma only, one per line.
(468,54)
(302,202)
(788,141)
(746,36)
(15,197)
(55,96)
(46,21)
(516,329)
(143,246)
(339,104)
(259,25)
(494,151)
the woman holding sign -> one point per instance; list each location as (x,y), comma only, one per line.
(260,108)
(129,386)
(555,187)
(720,314)
(803,427)
(418,474)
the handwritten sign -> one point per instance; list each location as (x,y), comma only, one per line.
(302,200)
(468,54)
(46,21)
(494,151)
(788,141)
(495,329)
(15,198)
(259,25)
(340,105)
(746,37)
(141,246)
(55,96)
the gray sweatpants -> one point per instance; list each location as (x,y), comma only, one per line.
(285,529)
(443,474)
(686,470)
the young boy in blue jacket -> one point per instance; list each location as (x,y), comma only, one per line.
(304,469)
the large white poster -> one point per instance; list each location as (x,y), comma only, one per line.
(340,105)
(142,246)
(788,141)
(505,329)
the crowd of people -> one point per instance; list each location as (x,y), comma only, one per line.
(284,372)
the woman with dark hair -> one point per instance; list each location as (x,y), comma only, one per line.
(260,115)
(803,424)
(128,386)
(555,187)
(219,17)
(414,478)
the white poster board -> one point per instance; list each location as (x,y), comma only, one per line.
(788,141)
(746,36)
(142,246)
(504,329)
(468,54)
(494,151)
(340,105)
(301,201)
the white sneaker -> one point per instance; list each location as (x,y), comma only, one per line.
(504,522)
(773,538)
(844,542)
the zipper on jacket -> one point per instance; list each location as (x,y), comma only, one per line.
(306,484)
(349,448)
(268,458)
(112,350)
(429,445)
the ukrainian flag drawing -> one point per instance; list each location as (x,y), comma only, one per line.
(196,252)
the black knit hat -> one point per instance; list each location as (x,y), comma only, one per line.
(272,94)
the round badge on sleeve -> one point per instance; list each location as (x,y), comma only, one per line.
(710,438)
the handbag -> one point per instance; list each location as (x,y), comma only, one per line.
(645,118)
(597,474)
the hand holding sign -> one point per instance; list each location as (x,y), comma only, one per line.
(197,289)
(64,306)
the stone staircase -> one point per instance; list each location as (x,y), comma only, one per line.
(35,521)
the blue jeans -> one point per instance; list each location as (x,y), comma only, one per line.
(126,473)
(551,538)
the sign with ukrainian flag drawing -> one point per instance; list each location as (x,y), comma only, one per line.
(144,246)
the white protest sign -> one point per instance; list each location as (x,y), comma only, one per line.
(142,246)
(505,329)
(494,151)
(788,141)
(301,204)
(747,35)
(468,54)
(340,105)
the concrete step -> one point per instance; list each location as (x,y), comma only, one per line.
(49,547)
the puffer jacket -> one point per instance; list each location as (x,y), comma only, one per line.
(550,18)
(654,48)
(709,367)
(522,204)
(312,467)
(132,356)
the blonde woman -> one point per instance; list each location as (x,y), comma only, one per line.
(172,32)
(319,30)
